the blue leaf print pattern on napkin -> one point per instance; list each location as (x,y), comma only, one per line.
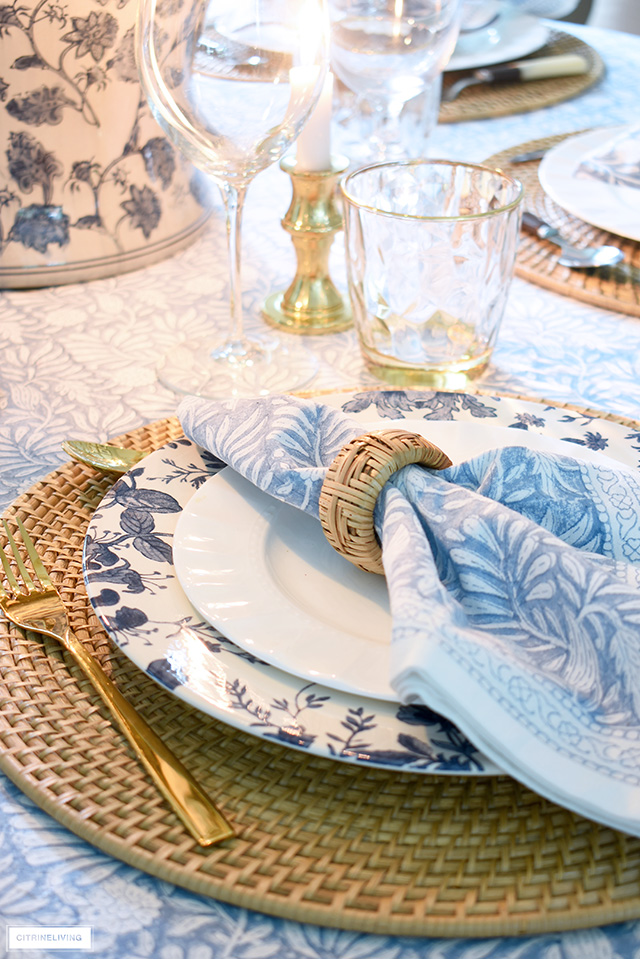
(514,584)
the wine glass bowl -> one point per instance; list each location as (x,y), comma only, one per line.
(232,83)
(387,52)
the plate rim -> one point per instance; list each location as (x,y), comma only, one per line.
(567,146)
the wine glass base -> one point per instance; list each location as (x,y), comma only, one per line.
(247,367)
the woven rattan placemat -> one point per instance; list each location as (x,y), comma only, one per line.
(317,841)
(505,99)
(537,260)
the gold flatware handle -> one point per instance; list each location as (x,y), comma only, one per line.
(203,820)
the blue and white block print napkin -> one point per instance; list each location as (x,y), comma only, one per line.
(514,582)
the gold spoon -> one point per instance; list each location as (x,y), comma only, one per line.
(106,459)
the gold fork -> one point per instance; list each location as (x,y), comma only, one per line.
(41,609)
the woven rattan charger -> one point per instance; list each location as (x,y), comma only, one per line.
(507,99)
(538,260)
(317,841)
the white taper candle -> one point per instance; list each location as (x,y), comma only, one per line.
(313,146)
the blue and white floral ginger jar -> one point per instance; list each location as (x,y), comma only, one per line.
(89,185)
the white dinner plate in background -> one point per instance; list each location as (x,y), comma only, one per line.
(510,37)
(604,205)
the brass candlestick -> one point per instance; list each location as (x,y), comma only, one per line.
(311,304)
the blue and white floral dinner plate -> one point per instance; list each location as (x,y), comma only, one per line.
(133,586)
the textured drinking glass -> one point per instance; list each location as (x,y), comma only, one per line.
(431,246)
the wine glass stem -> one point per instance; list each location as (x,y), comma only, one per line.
(386,133)
(234,197)
(389,119)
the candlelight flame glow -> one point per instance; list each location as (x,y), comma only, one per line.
(311,32)
(398,9)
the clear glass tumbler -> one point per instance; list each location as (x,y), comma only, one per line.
(431,247)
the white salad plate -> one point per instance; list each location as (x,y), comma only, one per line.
(604,205)
(132,583)
(263,573)
(510,37)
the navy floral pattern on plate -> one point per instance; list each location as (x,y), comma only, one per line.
(133,587)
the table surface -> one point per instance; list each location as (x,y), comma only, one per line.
(79,360)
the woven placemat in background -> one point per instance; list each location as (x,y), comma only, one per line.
(317,841)
(505,99)
(538,260)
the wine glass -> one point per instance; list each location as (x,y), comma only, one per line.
(388,53)
(232,82)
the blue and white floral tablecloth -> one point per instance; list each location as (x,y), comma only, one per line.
(79,360)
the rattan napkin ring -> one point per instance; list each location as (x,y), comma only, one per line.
(353,482)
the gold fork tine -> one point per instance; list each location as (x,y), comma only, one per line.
(37,563)
(8,572)
(24,572)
